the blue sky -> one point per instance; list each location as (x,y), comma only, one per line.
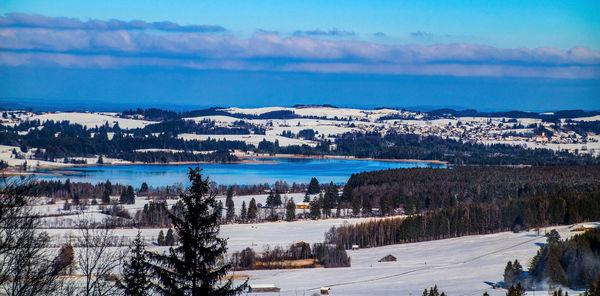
(535,55)
(506,24)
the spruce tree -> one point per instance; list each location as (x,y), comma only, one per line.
(169,238)
(136,276)
(144,188)
(230,205)
(271,199)
(252,210)
(107,192)
(243,212)
(290,210)
(355,206)
(315,208)
(191,268)
(313,186)
(508,274)
(161,238)
(277,199)
(127,196)
(219,210)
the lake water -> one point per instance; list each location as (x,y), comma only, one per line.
(287,169)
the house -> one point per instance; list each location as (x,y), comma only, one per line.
(541,138)
(325,290)
(585,227)
(302,205)
(262,288)
(388,258)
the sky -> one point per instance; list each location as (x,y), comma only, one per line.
(488,55)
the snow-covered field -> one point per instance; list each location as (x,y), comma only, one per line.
(91,120)
(458,266)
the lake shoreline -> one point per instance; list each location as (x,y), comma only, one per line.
(301,156)
(61,168)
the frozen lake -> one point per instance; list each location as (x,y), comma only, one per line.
(291,170)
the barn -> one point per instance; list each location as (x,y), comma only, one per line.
(262,288)
(388,258)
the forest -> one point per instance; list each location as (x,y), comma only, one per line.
(467,201)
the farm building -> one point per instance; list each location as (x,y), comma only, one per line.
(261,288)
(585,227)
(302,205)
(388,258)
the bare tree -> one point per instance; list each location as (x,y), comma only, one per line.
(26,264)
(99,256)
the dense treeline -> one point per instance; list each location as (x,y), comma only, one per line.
(412,146)
(465,201)
(566,206)
(61,140)
(421,189)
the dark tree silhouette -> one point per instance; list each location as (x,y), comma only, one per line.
(136,275)
(191,268)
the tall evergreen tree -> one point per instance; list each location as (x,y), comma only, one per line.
(252,210)
(219,210)
(315,208)
(229,204)
(127,196)
(136,276)
(355,206)
(277,200)
(170,238)
(144,188)
(107,192)
(191,268)
(313,186)
(161,238)
(330,199)
(290,210)
(243,212)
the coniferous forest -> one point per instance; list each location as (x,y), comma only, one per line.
(467,201)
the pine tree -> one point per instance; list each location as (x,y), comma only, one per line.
(243,212)
(290,210)
(127,196)
(315,208)
(517,290)
(355,206)
(191,268)
(219,210)
(313,186)
(107,192)
(169,239)
(329,200)
(161,238)
(306,197)
(230,205)
(252,210)
(144,188)
(136,276)
(277,199)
